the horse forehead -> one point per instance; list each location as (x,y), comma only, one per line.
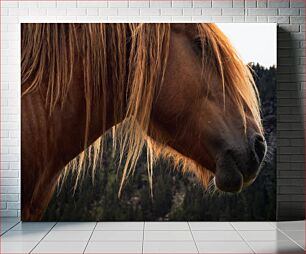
(188,29)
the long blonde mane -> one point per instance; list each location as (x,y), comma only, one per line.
(131,56)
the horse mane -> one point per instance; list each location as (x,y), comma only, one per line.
(124,55)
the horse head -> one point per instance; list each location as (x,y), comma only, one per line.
(207,108)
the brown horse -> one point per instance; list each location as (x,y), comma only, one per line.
(180,90)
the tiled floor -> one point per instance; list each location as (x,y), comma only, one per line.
(152,237)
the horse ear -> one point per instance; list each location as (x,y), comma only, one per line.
(178,27)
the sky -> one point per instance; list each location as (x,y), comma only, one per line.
(253,42)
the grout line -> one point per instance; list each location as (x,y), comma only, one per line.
(273,225)
(42,238)
(90,236)
(193,237)
(243,238)
(290,238)
(10,228)
(143,232)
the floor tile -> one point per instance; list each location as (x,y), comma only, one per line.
(64,226)
(169,247)
(166,225)
(216,236)
(291,225)
(276,247)
(301,243)
(206,225)
(296,235)
(5,226)
(99,236)
(69,236)
(33,226)
(120,225)
(60,247)
(167,236)
(22,236)
(274,235)
(260,225)
(223,247)
(114,247)
(17,247)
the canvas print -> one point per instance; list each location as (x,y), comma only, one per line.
(159,122)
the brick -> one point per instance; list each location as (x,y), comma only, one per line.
(291,173)
(211,11)
(9,173)
(92,11)
(262,19)
(9,213)
(3,205)
(297,20)
(91,4)
(297,3)
(13,205)
(28,4)
(18,12)
(8,181)
(250,19)
(172,12)
(222,4)
(262,3)
(47,4)
(291,198)
(192,11)
(9,4)
(291,189)
(119,4)
(202,3)
(262,12)
(278,3)
(289,11)
(233,12)
(139,4)
(38,12)
(66,4)
(238,3)
(160,4)
(9,19)
(150,12)
(10,189)
(182,3)
(128,11)
(250,3)
(239,19)
(279,20)
(291,182)
(76,12)
(290,28)
(291,150)
(9,197)
(56,12)
(4,11)
(108,11)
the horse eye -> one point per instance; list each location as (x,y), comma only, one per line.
(198,43)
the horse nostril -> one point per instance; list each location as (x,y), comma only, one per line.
(259,147)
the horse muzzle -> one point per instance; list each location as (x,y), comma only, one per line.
(235,170)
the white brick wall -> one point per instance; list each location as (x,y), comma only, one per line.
(289,13)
